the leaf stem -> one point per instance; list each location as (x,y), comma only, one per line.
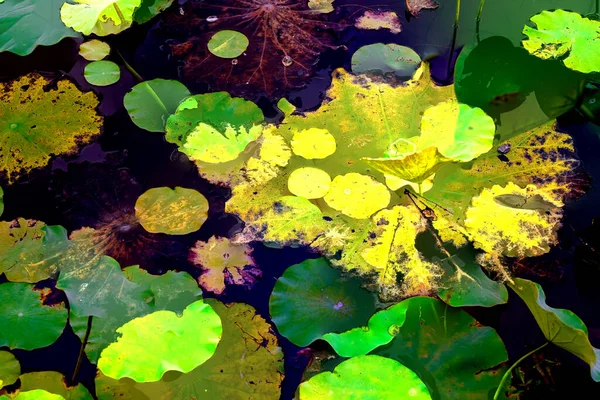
(507,374)
(82,350)
(129,67)
(119,13)
(478,21)
(454,35)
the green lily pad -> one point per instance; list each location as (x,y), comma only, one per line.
(150,103)
(559,326)
(94,50)
(469,286)
(382,58)
(382,328)
(102,73)
(176,211)
(101,17)
(37,394)
(29,250)
(217,109)
(228,44)
(366,378)
(312,299)
(53,382)
(161,342)
(149,9)
(456,357)
(10,369)
(559,33)
(27,24)
(23,311)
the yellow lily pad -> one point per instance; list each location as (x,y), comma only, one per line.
(357,196)
(310,183)
(313,143)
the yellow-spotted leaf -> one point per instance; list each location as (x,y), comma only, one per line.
(357,196)
(500,221)
(176,211)
(310,183)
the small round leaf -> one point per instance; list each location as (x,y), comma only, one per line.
(102,73)
(309,182)
(94,50)
(382,58)
(228,44)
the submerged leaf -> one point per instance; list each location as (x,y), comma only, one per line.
(560,32)
(560,327)
(365,378)
(38,124)
(176,211)
(386,58)
(101,17)
(159,342)
(312,299)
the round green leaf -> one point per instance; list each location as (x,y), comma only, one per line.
(53,382)
(102,17)
(456,356)
(312,299)
(102,73)
(150,103)
(217,109)
(366,378)
(30,23)
(176,211)
(10,369)
(382,58)
(562,32)
(161,342)
(228,44)
(94,50)
(23,311)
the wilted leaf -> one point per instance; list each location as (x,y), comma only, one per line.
(312,299)
(102,73)
(150,103)
(176,211)
(23,311)
(94,50)
(509,231)
(560,32)
(37,124)
(248,364)
(224,262)
(560,327)
(456,357)
(321,6)
(375,20)
(30,23)
(365,378)
(101,17)
(228,44)
(53,382)
(159,342)
(415,6)
(10,369)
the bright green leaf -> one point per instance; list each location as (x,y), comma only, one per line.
(207,144)
(30,23)
(102,73)
(23,311)
(159,342)
(382,58)
(366,378)
(149,9)
(312,299)
(559,326)
(94,50)
(559,33)
(53,382)
(228,44)
(10,369)
(101,17)
(176,211)
(150,103)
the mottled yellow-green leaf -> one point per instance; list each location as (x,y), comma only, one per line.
(313,143)
(321,6)
(94,50)
(357,196)
(36,394)
(205,143)
(101,17)
(310,183)
(176,211)
(498,228)
(36,124)
(53,382)
(220,257)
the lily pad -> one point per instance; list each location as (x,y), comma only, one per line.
(433,341)
(150,103)
(149,9)
(228,44)
(53,382)
(10,369)
(23,311)
(176,211)
(559,33)
(310,183)
(207,144)
(357,196)
(383,58)
(36,394)
(38,124)
(30,23)
(312,299)
(560,327)
(159,342)
(313,143)
(102,73)
(94,50)
(101,17)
